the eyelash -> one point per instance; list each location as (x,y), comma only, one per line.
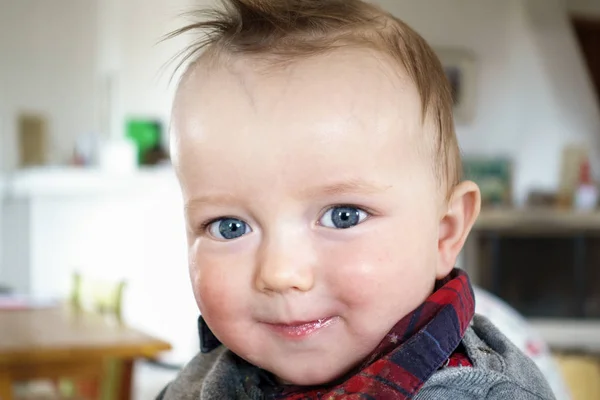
(365,210)
(204,226)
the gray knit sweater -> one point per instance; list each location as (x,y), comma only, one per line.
(500,371)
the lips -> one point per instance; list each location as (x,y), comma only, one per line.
(302,329)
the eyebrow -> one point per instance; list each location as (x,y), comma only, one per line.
(209,199)
(352,186)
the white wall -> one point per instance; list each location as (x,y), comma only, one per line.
(481,27)
(132,51)
(533,94)
(557,100)
(2,267)
(2,185)
(16,254)
(59,57)
(47,63)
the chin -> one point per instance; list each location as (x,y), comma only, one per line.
(308,375)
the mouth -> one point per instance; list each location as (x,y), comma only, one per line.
(301,329)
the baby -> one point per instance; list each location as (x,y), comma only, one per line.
(321,175)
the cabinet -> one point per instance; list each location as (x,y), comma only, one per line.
(545,264)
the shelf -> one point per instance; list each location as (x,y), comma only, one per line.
(70,181)
(537,220)
(569,335)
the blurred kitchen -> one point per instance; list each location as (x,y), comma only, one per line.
(87,194)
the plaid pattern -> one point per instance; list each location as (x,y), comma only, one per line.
(421,343)
(459,359)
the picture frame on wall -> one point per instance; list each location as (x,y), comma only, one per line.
(461,70)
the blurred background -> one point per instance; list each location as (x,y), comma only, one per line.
(87,192)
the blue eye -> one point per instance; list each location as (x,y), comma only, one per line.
(228,228)
(343,217)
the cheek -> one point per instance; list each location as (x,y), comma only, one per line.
(217,288)
(394,267)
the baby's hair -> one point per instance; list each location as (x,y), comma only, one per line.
(286,30)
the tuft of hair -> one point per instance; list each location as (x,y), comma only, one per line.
(288,30)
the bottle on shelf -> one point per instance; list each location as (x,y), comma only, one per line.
(586,194)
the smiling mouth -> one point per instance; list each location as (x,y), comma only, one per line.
(300,330)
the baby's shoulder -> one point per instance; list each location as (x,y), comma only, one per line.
(500,371)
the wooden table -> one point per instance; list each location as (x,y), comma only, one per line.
(57,342)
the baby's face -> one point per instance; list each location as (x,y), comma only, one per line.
(311,207)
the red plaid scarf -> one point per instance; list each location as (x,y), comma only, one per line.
(421,343)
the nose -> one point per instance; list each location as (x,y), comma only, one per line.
(285,264)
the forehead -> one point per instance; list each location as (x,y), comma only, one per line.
(350,104)
(351,79)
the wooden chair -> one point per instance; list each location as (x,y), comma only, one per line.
(103,380)
(105,298)
(100,296)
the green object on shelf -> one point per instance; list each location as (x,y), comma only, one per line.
(146,134)
(493,175)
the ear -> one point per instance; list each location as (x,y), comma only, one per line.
(455,225)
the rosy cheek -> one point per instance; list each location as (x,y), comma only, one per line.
(210,296)
(353,276)
(223,302)
(373,269)
(211,285)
